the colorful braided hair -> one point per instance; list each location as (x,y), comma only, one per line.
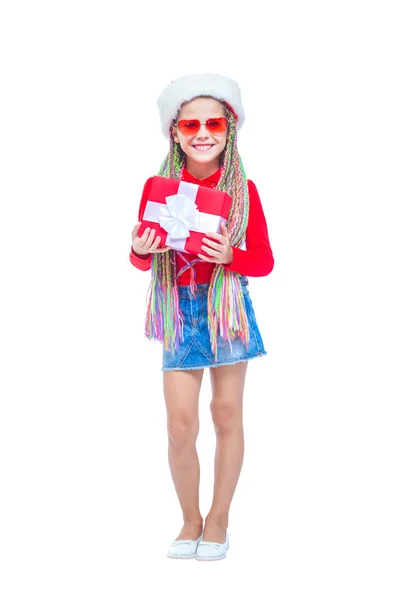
(226,308)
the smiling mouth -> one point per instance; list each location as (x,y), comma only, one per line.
(202,147)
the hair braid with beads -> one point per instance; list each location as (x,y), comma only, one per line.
(226,308)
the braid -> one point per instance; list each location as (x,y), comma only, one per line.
(164,319)
(226,308)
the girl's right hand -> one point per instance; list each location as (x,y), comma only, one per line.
(146,244)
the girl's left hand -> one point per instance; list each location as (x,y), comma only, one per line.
(220,251)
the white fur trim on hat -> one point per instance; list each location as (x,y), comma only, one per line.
(188,87)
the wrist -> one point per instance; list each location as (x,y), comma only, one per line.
(138,254)
(230,257)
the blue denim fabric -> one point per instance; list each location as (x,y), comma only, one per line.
(195,351)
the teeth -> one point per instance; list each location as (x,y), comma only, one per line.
(203,148)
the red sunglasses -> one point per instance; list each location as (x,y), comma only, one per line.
(190,127)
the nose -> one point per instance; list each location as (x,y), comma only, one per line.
(203,132)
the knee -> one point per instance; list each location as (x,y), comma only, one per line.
(227,417)
(182,431)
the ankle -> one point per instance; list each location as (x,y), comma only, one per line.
(193,520)
(215,519)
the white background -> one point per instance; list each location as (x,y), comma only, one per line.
(88,507)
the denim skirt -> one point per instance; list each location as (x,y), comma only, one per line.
(195,351)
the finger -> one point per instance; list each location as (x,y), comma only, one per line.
(215,236)
(205,258)
(155,244)
(136,229)
(210,251)
(224,232)
(218,236)
(224,229)
(143,238)
(213,244)
(150,239)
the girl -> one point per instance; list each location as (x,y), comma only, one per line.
(199,306)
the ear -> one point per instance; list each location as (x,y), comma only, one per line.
(174,133)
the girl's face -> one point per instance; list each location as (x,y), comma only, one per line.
(204,148)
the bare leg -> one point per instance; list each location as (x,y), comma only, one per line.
(227,412)
(181,391)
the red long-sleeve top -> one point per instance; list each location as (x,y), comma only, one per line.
(255,261)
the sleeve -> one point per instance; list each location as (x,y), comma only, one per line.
(143,261)
(257,260)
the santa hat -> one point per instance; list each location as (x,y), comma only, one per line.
(188,87)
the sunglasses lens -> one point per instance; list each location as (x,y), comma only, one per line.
(217,125)
(189,127)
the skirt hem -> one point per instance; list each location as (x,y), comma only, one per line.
(213,366)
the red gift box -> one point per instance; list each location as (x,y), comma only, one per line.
(181,213)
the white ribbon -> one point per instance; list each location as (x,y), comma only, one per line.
(180,215)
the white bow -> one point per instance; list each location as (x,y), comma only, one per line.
(179,215)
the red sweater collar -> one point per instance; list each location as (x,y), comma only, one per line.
(214,178)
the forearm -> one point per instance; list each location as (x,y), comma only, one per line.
(256,262)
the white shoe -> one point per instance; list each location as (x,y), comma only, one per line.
(212,550)
(183,548)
